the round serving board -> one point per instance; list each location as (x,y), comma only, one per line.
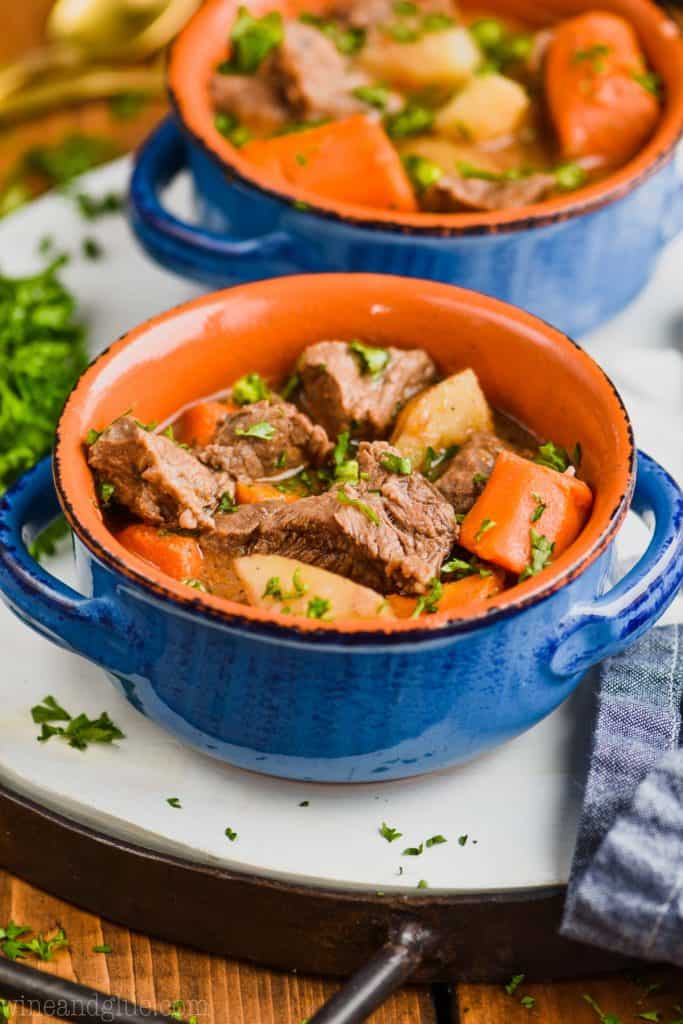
(298,843)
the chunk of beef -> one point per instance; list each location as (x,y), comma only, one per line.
(392,536)
(453,193)
(288,440)
(369,14)
(313,78)
(155,478)
(336,392)
(251,98)
(467,473)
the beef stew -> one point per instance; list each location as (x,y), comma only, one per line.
(376,489)
(418,105)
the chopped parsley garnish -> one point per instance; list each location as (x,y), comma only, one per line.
(594,55)
(374,95)
(305,803)
(650,81)
(539,509)
(344,468)
(422,172)
(196,584)
(174,801)
(479,479)
(80,731)
(318,608)
(104,948)
(514,983)
(398,464)
(10,940)
(500,47)
(486,525)
(541,554)
(413,851)
(435,841)
(405,8)
(231,834)
(127,105)
(428,604)
(250,388)
(528,1002)
(362,507)
(604,1018)
(93,207)
(488,33)
(459,567)
(412,120)
(389,833)
(347,39)
(372,360)
(569,177)
(92,436)
(5,1010)
(290,385)
(299,204)
(227,504)
(462,840)
(274,588)
(468,170)
(301,159)
(435,462)
(552,456)
(281,460)
(263,430)
(577,455)
(45,948)
(45,543)
(231,128)
(252,40)
(423,884)
(91,248)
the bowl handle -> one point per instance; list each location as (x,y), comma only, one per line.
(610,623)
(93,627)
(186,248)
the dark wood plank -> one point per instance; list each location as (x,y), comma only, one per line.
(625,996)
(157,973)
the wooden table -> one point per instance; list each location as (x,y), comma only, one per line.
(155,973)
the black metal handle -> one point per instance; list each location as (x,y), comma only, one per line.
(58,997)
(370,986)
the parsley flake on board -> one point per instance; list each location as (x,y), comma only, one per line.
(604,1018)
(514,983)
(372,361)
(104,948)
(249,388)
(80,731)
(389,833)
(263,430)
(252,39)
(528,1002)
(356,503)
(15,947)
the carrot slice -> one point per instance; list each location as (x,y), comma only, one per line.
(600,98)
(519,497)
(198,424)
(468,593)
(253,494)
(351,160)
(177,556)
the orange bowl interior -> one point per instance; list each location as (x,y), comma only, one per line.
(203,44)
(527,369)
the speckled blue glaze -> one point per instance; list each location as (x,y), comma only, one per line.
(575,272)
(333,708)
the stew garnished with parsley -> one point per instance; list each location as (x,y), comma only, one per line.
(366,485)
(415,105)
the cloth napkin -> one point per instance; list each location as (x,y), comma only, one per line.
(626,886)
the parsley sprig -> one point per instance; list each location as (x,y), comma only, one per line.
(80,732)
(15,946)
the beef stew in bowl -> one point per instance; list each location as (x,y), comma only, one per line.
(412,105)
(364,485)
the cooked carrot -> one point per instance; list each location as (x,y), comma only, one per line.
(601,99)
(177,556)
(252,494)
(198,424)
(467,593)
(350,160)
(521,497)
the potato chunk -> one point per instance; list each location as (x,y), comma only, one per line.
(489,106)
(442,416)
(438,58)
(284,584)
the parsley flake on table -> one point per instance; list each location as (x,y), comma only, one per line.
(174,801)
(514,983)
(305,803)
(104,948)
(528,1002)
(14,947)
(422,884)
(389,833)
(231,834)
(435,841)
(413,851)
(650,1015)
(462,840)
(604,1018)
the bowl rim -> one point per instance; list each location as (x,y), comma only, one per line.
(658,151)
(342,632)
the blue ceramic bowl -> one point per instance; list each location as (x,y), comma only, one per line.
(574,261)
(339,702)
